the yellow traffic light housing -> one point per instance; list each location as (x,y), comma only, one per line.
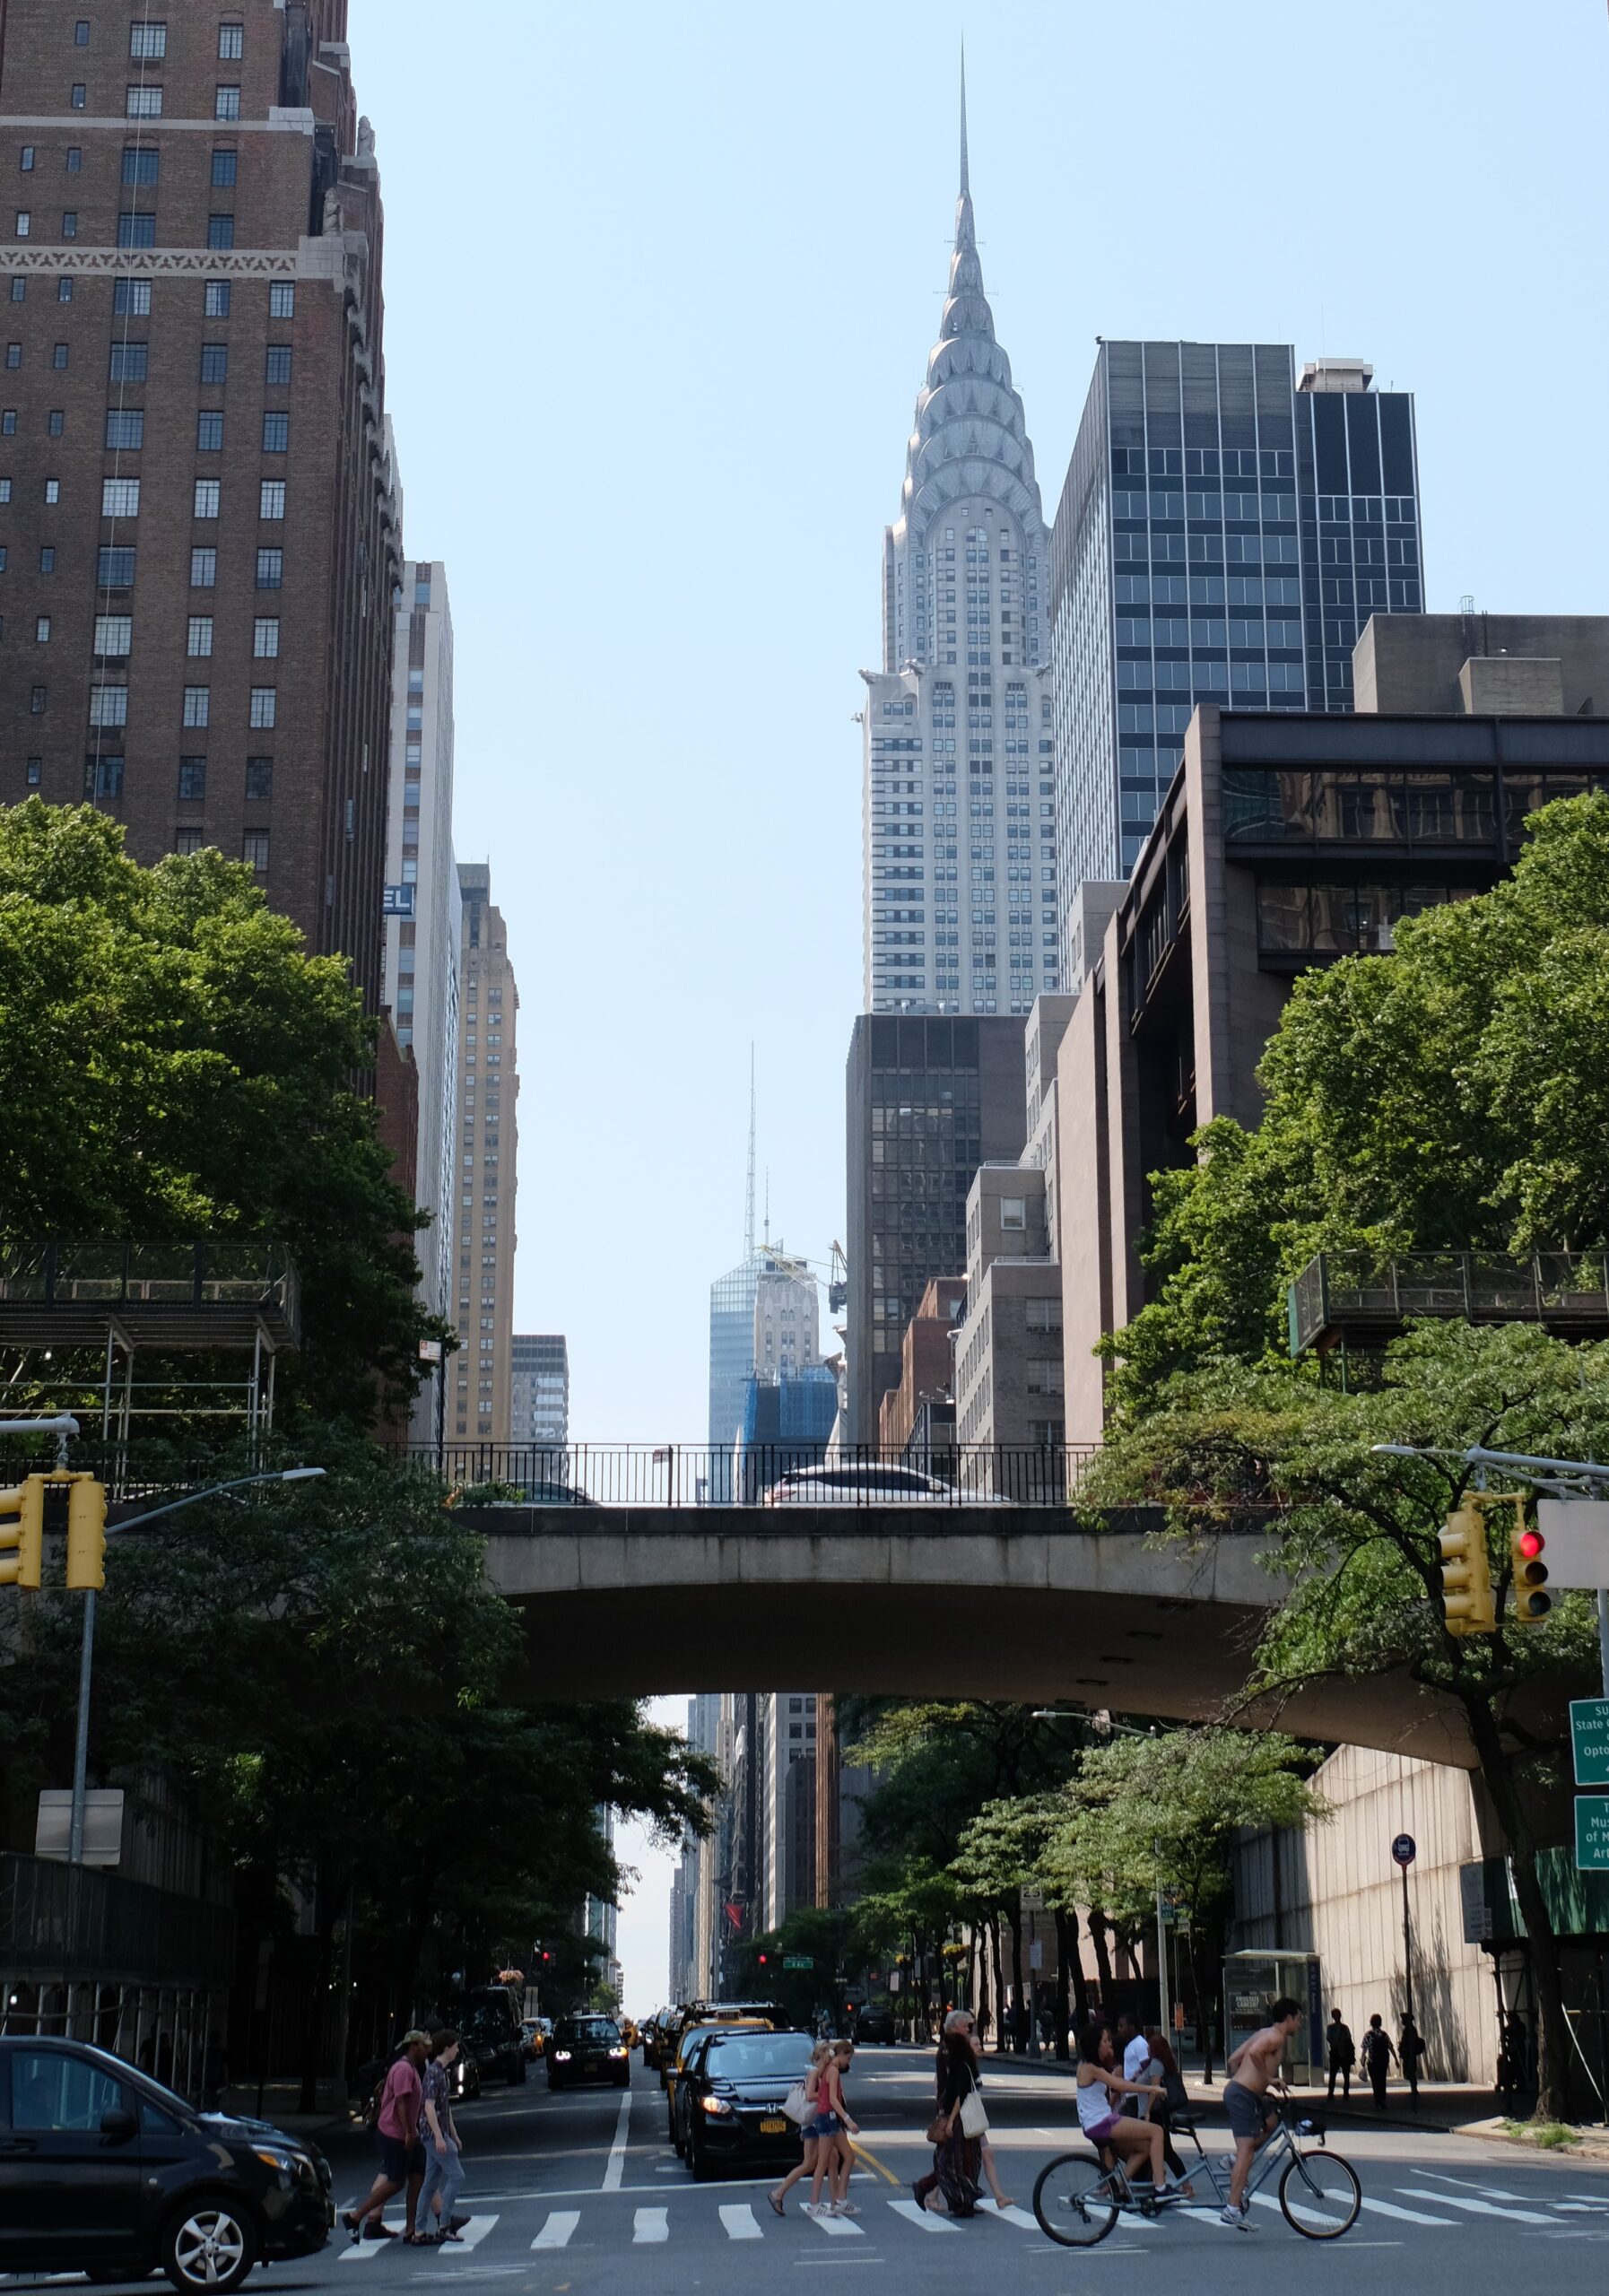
(1466,1606)
(1532,1603)
(86,1533)
(22,1540)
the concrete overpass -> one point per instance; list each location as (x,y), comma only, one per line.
(997,1602)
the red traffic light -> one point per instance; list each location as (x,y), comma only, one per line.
(1530,1544)
(762,1961)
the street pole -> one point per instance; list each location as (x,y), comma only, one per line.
(1408,1967)
(86,1656)
(1163,1989)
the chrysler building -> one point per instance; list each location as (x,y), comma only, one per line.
(958,811)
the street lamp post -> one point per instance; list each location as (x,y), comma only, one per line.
(86,1657)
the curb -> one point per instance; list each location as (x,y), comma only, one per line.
(1590,2145)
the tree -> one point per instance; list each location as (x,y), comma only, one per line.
(1453,1094)
(174,1063)
(1356,1534)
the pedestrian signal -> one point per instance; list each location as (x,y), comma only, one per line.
(22,1533)
(1525,1545)
(1466,1570)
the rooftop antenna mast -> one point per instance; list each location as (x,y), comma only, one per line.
(748,1230)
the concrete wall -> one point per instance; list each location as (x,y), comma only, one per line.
(1411,662)
(1331,1889)
(1084,1229)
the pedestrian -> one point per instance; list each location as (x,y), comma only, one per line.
(396,2125)
(1378,2054)
(443,2178)
(1410,2048)
(1138,2143)
(1342,2052)
(1001,2199)
(1146,2067)
(832,2128)
(957,2158)
(1511,2066)
(806,2167)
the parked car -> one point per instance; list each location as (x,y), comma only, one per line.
(729,2101)
(587,2048)
(876,2025)
(104,2171)
(867,1484)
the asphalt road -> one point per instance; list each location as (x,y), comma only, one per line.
(578,2193)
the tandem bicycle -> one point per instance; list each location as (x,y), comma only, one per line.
(1080,2196)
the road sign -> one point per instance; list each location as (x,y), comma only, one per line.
(1405,1850)
(1577,1531)
(1589,1739)
(1592,1833)
(798,1961)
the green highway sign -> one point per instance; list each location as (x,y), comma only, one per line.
(798,1961)
(1589,1739)
(1592,1833)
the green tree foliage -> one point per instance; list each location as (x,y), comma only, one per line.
(173,1063)
(1453,1094)
(1264,1448)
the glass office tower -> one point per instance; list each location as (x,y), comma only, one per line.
(1226,529)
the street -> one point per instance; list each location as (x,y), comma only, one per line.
(581,2192)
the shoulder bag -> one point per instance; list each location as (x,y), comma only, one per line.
(974,2120)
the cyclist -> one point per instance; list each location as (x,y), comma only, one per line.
(1100,2096)
(1254,2065)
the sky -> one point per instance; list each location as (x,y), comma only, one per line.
(660,287)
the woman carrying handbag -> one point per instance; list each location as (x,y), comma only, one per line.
(957,2156)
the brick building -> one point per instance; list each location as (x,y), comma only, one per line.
(199,521)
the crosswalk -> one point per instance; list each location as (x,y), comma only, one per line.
(1448,2205)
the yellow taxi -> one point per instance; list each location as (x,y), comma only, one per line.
(729,2016)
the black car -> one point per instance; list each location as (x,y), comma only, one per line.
(876,2025)
(104,2172)
(497,2047)
(586,2049)
(729,2100)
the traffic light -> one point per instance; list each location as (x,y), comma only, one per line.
(1466,1570)
(1531,1603)
(762,1961)
(23,1539)
(86,1533)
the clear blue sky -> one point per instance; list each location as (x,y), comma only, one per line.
(660,287)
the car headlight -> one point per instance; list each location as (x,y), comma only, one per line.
(717,2105)
(286,2163)
(617,2052)
(561,2057)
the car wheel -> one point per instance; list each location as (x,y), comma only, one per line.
(517,2078)
(695,2157)
(210,2247)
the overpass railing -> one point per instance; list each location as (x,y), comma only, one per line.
(772,1475)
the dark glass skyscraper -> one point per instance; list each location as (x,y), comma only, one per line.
(1226,529)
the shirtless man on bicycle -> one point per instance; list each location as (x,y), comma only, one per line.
(1251,2070)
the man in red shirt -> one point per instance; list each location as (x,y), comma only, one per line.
(396,2125)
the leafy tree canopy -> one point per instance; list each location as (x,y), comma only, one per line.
(174,1065)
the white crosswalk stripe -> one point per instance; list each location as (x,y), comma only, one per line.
(470,2236)
(362,2251)
(1012,2216)
(840,2225)
(1405,2215)
(556,2232)
(650,2225)
(925,2217)
(1476,2207)
(740,2222)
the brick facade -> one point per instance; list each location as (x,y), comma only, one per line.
(208,204)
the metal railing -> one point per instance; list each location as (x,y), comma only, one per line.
(780,1475)
(1342,1290)
(203,1272)
(59,1922)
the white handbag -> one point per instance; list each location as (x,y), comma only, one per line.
(798,2106)
(974,2120)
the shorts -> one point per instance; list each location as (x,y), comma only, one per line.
(823,2124)
(1250,2114)
(400,2159)
(1102,2129)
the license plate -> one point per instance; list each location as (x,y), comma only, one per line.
(773,2127)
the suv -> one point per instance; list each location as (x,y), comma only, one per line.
(104,2172)
(587,2048)
(496,2043)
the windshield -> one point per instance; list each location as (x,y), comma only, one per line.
(592,2032)
(748,2057)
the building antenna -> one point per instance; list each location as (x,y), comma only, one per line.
(965,184)
(767,1207)
(748,1235)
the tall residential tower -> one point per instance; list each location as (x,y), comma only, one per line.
(958,822)
(488,1143)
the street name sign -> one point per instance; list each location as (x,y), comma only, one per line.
(1592,1833)
(798,1961)
(1589,1739)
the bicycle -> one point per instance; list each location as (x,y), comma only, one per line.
(1079,2197)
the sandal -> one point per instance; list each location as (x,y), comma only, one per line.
(775,2200)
